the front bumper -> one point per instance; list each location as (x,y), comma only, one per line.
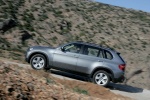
(27,56)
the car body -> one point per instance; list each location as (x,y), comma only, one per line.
(100,64)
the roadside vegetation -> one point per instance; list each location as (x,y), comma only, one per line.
(25,23)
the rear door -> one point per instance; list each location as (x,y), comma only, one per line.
(91,56)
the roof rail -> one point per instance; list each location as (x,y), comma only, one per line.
(94,44)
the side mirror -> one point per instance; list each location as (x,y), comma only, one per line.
(62,49)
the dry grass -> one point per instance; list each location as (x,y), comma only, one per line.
(53,22)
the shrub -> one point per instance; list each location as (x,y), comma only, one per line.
(81,91)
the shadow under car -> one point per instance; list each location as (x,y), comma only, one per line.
(111,86)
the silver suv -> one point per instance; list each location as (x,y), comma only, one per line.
(101,65)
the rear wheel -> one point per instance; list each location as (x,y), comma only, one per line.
(101,78)
(38,62)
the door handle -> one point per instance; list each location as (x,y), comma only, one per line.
(76,56)
(100,61)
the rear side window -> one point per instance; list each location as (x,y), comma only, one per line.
(108,55)
(91,51)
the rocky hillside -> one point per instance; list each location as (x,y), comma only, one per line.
(18,83)
(26,23)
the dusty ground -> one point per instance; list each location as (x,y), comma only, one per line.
(93,90)
(122,89)
(27,84)
(55,22)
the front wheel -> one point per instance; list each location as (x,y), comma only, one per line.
(38,62)
(101,78)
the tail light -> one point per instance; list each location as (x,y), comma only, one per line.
(122,67)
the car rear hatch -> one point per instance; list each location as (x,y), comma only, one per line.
(123,64)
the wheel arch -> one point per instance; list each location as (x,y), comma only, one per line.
(111,74)
(46,57)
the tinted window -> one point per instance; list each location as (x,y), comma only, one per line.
(108,55)
(74,48)
(91,51)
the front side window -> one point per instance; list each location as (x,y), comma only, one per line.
(74,48)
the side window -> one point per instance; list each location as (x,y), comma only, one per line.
(74,48)
(91,51)
(108,55)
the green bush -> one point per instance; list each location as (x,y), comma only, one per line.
(80,91)
(49,81)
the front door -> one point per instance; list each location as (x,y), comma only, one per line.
(66,58)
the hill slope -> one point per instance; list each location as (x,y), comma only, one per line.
(53,22)
(26,84)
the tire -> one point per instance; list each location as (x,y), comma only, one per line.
(101,78)
(38,62)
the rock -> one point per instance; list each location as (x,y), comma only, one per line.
(15,93)
(1,25)
(7,24)
(30,87)
(43,81)
(24,87)
(25,35)
(8,89)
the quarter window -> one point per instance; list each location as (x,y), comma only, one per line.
(108,55)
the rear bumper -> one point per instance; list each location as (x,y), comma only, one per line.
(119,80)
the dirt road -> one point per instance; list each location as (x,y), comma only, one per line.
(125,90)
